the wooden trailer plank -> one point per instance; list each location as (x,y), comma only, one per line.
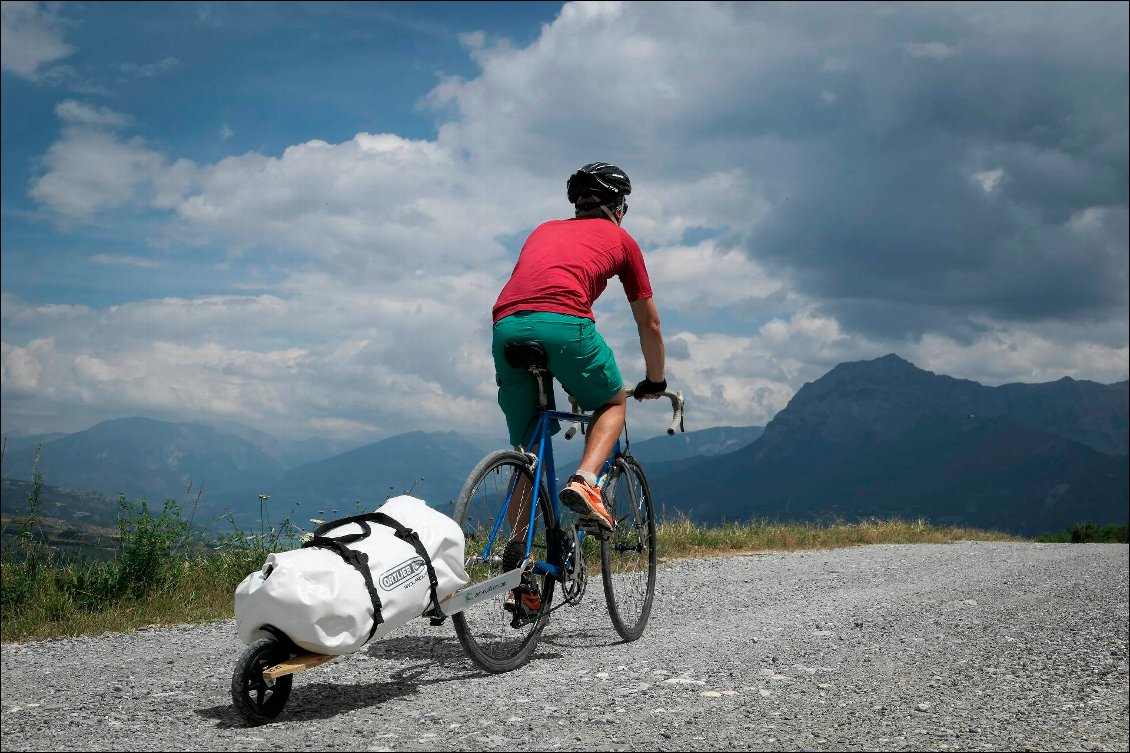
(296,664)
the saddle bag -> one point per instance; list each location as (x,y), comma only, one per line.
(356,579)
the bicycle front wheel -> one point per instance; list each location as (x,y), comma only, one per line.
(494,510)
(628,554)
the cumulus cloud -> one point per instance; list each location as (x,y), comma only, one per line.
(698,280)
(377,201)
(813,184)
(90,171)
(935,50)
(149,70)
(157,355)
(31,37)
(125,260)
(82,114)
(866,201)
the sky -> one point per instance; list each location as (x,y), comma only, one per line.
(297,216)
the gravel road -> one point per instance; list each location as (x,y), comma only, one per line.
(967,646)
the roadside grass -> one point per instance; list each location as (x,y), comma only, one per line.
(163,575)
(1087,533)
(682,538)
(58,606)
(167,572)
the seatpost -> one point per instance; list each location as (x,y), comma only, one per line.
(543,401)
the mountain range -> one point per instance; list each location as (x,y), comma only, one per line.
(878,438)
(883,438)
(216,475)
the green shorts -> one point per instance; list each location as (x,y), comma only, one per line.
(577,356)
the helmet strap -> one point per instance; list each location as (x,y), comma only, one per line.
(604,208)
(613,210)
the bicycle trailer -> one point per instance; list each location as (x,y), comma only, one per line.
(354,581)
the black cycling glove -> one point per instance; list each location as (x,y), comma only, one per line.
(647,387)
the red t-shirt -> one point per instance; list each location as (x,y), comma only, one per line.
(566,264)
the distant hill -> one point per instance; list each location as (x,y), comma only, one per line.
(289,453)
(144,458)
(15,442)
(871,438)
(71,520)
(77,505)
(873,400)
(883,438)
(718,440)
(432,466)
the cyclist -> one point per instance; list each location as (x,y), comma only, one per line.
(563,268)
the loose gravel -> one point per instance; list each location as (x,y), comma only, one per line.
(966,646)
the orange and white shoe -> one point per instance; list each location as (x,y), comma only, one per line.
(585,500)
(524,601)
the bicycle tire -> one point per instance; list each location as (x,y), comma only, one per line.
(629,554)
(489,634)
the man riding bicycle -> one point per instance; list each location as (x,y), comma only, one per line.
(563,268)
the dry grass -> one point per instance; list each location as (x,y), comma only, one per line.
(681,538)
(202,590)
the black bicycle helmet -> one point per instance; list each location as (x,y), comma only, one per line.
(604,181)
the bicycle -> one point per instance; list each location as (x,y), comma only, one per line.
(512,522)
(496,638)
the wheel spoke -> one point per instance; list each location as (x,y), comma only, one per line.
(628,556)
(496,636)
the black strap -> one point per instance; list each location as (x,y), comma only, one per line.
(360,520)
(360,562)
(402,532)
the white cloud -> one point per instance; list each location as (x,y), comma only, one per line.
(79,113)
(378,202)
(384,254)
(931,50)
(988,180)
(322,353)
(125,260)
(90,171)
(699,280)
(341,427)
(1021,355)
(31,37)
(746,380)
(149,70)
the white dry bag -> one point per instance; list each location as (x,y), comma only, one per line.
(358,579)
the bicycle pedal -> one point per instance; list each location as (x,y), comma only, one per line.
(520,617)
(593,528)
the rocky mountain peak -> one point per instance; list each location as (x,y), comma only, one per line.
(881,399)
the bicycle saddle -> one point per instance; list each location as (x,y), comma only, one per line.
(523,355)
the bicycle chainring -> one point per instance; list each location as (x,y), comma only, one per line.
(575,578)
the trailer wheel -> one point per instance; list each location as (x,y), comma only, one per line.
(256,698)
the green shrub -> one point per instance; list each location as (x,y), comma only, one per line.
(1088,533)
(147,547)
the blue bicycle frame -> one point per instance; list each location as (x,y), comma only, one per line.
(544,468)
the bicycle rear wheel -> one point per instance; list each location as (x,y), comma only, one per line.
(628,554)
(495,638)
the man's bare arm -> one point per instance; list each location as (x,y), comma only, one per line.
(651,338)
